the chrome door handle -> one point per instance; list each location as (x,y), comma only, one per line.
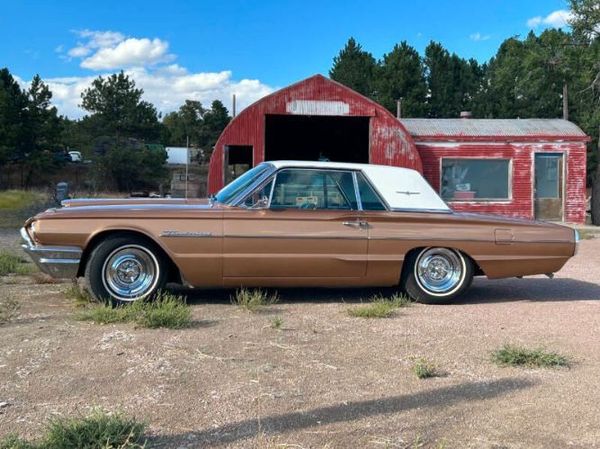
(356,224)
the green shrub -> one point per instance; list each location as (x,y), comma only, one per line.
(98,430)
(106,314)
(424,368)
(165,310)
(379,307)
(510,355)
(253,300)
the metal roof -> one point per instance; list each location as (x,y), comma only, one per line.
(473,128)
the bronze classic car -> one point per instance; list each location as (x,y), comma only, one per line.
(289,224)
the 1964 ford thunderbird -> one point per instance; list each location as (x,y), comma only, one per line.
(293,223)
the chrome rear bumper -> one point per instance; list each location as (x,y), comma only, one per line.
(58,261)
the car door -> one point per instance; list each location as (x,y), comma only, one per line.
(300,224)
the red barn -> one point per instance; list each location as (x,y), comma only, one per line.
(314,119)
(531,168)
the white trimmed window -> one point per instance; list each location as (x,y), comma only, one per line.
(475,179)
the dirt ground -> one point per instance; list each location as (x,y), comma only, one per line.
(325,380)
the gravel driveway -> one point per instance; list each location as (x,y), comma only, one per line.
(325,380)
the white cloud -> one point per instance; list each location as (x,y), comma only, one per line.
(107,50)
(148,62)
(556,19)
(79,52)
(167,88)
(100,39)
(477,37)
(129,53)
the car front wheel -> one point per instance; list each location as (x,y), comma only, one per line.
(124,269)
(438,275)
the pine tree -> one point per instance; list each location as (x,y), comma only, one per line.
(354,68)
(401,75)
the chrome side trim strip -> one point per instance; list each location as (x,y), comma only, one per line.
(185,234)
(288,237)
(424,211)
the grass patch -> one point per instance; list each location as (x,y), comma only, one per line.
(19,199)
(80,297)
(510,355)
(166,310)
(13,264)
(276,322)
(379,307)
(588,235)
(253,300)
(18,205)
(98,430)
(9,309)
(424,368)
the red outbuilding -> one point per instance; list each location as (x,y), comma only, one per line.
(314,119)
(531,168)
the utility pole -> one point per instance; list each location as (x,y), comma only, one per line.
(187,163)
(399,108)
(233,108)
(565,98)
(595,206)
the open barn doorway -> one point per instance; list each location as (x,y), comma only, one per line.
(237,160)
(313,138)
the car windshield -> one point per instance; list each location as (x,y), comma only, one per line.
(235,187)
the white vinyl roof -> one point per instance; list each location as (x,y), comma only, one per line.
(401,188)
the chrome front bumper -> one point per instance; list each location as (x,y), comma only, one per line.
(60,262)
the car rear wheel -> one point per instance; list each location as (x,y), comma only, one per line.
(437,275)
(123,269)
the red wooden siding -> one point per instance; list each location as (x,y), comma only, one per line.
(390,143)
(522,167)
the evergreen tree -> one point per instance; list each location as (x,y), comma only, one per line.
(215,121)
(13,108)
(117,108)
(125,120)
(355,68)
(452,82)
(401,75)
(185,123)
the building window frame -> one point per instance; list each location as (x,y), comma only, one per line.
(509,197)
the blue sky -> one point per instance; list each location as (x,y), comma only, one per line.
(200,49)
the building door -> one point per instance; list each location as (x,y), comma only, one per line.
(549,201)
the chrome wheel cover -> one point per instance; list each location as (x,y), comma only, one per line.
(440,271)
(130,272)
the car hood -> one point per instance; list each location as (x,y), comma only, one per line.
(80,202)
(134,208)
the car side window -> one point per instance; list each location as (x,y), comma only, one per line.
(369,199)
(314,189)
